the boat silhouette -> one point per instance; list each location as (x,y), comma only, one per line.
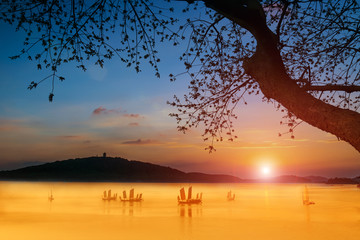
(108,196)
(183,200)
(132,197)
(50,197)
(230,197)
(305,197)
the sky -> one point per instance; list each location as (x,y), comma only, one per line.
(124,113)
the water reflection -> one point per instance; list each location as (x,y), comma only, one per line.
(190,210)
(266,195)
(187,212)
(122,208)
(307,211)
(129,208)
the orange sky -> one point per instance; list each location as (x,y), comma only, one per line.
(152,137)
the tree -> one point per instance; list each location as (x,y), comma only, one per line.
(302,55)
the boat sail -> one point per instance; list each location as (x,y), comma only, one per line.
(183,200)
(132,197)
(230,197)
(108,196)
(305,197)
(51,197)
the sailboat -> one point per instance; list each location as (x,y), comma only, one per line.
(230,197)
(51,197)
(183,200)
(305,197)
(108,196)
(132,197)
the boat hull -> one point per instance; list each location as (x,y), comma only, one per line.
(190,201)
(109,199)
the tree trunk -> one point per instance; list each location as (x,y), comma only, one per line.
(267,68)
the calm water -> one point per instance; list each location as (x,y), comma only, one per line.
(260,211)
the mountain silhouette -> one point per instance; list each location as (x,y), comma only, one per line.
(116,169)
(101,169)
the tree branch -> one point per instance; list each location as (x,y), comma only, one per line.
(332,87)
(286,5)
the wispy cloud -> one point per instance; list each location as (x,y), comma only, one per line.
(102,110)
(140,142)
(69,137)
(329,141)
(105,111)
(134,124)
(131,115)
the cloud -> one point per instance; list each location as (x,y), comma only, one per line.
(139,142)
(69,137)
(132,115)
(134,124)
(330,141)
(101,110)
(104,111)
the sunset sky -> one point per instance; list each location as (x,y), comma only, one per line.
(117,111)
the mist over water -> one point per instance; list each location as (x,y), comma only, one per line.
(260,211)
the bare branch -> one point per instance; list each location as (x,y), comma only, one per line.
(333,87)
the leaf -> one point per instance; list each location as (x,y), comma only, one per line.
(51,97)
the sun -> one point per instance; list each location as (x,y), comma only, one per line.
(265,171)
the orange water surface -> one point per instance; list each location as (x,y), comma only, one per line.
(259,211)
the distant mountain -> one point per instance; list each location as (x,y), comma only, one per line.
(294,179)
(108,169)
(290,179)
(99,169)
(317,179)
(336,180)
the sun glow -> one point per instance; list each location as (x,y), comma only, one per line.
(265,171)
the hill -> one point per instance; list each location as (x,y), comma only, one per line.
(291,179)
(337,180)
(101,169)
(109,169)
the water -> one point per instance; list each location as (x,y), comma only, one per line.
(260,211)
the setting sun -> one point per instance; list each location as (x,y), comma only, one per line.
(265,171)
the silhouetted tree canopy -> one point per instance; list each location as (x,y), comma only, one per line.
(302,55)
